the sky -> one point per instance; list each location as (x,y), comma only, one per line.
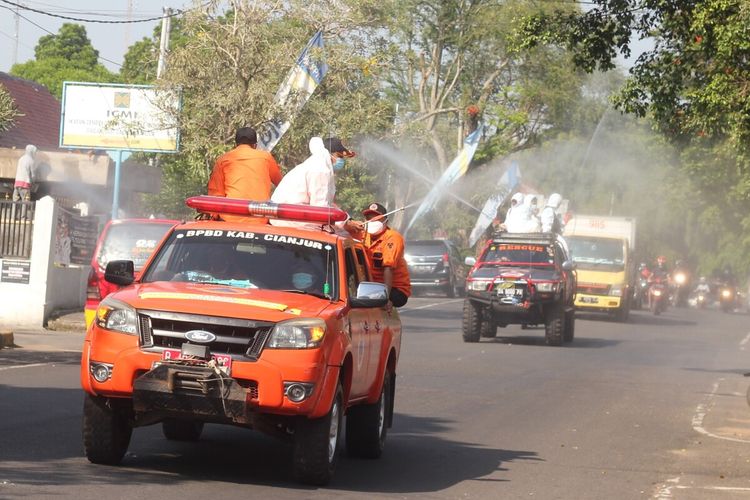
(111,40)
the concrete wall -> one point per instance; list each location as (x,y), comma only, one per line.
(50,288)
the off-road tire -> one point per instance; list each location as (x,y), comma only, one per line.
(106,429)
(472,321)
(488,330)
(554,326)
(570,326)
(367,425)
(182,430)
(314,462)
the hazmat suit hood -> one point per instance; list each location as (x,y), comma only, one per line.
(317,147)
(554,200)
(518,198)
(31,150)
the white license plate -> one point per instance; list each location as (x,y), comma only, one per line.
(224,361)
(589,300)
(510,292)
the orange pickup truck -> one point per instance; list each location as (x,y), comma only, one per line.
(272,328)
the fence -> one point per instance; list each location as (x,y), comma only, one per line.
(16,228)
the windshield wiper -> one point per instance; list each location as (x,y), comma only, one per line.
(305,292)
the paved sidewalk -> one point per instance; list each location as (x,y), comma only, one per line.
(65,333)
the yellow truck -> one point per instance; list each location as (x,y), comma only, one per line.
(602,249)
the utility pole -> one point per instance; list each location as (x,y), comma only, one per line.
(16,36)
(166,22)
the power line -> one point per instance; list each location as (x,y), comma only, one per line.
(177,12)
(50,32)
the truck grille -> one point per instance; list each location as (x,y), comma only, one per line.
(592,288)
(237,337)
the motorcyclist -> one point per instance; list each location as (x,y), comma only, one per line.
(702,287)
(660,271)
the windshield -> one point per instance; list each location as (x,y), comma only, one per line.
(134,241)
(521,254)
(247,260)
(597,253)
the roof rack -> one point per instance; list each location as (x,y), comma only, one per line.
(546,237)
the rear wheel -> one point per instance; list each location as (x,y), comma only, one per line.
(472,321)
(554,327)
(316,444)
(367,425)
(182,430)
(106,429)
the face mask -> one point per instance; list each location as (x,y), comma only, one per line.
(340,162)
(375,227)
(301,281)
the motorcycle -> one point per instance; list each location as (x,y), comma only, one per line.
(640,293)
(727,298)
(681,290)
(658,295)
(701,300)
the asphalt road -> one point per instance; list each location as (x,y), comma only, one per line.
(654,408)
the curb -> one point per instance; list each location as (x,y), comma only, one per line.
(61,325)
(6,339)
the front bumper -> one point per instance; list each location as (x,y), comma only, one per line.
(591,302)
(527,311)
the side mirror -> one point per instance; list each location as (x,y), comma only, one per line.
(568,265)
(120,272)
(370,294)
(470,261)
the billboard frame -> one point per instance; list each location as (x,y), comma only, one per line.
(119,85)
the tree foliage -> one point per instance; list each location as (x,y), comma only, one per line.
(8,110)
(68,55)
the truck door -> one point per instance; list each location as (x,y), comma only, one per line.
(378,324)
(359,323)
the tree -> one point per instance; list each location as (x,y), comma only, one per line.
(68,55)
(8,110)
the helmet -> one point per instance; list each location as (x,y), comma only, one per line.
(702,279)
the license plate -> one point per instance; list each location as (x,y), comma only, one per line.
(510,292)
(589,300)
(224,361)
(423,268)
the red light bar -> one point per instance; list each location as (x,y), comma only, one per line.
(287,211)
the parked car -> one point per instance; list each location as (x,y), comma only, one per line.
(122,239)
(435,265)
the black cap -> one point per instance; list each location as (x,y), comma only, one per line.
(246,135)
(374,209)
(334,145)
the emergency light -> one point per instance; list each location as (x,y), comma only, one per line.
(287,211)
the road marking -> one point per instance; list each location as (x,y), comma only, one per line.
(426,306)
(702,410)
(22,366)
(744,342)
(665,490)
(714,488)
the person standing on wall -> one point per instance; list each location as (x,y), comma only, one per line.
(24,182)
(245,172)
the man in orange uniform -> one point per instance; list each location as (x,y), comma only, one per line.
(385,248)
(244,172)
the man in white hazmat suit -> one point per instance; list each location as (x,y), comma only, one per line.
(24,177)
(551,222)
(533,225)
(515,205)
(519,219)
(312,181)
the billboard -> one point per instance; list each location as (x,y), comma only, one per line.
(119,117)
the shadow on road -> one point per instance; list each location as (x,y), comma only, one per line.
(652,320)
(584,342)
(43,448)
(10,357)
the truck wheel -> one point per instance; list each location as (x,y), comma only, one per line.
(570,326)
(182,430)
(472,321)
(317,443)
(450,290)
(106,429)
(621,315)
(488,330)
(554,326)
(367,425)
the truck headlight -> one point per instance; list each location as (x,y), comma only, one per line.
(117,316)
(305,333)
(616,291)
(546,287)
(478,285)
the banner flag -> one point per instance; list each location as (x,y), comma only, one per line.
(458,167)
(304,77)
(505,185)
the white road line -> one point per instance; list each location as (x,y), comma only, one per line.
(665,489)
(702,410)
(744,342)
(427,306)
(2,368)
(713,488)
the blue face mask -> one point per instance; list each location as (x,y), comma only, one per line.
(340,162)
(302,281)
